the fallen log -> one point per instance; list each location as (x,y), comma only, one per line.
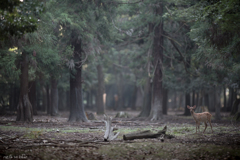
(148,134)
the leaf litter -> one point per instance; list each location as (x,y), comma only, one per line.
(55,138)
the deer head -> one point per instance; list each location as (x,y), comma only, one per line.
(191,108)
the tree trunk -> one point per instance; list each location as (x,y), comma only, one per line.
(193,98)
(100,92)
(157,94)
(54,97)
(48,100)
(211,106)
(231,99)
(180,104)
(224,99)
(235,107)
(119,103)
(67,99)
(174,101)
(13,97)
(206,100)
(187,102)
(217,103)
(90,99)
(146,108)
(165,101)
(77,112)
(24,108)
(33,96)
(237,115)
(147,96)
(201,99)
(197,99)
(44,96)
(62,100)
(134,98)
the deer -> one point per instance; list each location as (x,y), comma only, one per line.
(200,117)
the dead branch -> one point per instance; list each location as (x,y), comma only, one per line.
(109,134)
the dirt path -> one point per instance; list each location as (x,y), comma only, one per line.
(55,138)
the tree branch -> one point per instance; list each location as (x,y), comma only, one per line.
(175,46)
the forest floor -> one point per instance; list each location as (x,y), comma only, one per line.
(55,138)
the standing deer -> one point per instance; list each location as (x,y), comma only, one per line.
(200,117)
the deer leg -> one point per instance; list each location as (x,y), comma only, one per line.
(196,127)
(205,126)
(211,125)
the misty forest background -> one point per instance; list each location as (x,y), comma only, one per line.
(98,55)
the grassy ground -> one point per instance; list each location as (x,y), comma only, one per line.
(55,138)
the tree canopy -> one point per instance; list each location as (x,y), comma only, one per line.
(193,46)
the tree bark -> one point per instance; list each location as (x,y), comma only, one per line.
(187,102)
(145,134)
(54,97)
(48,100)
(90,99)
(24,108)
(67,99)
(165,101)
(13,97)
(32,96)
(119,103)
(206,100)
(193,98)
(174,101)
(231,99)
(146,108)
(62,100)
(100,92)
(180,104)
(224,99)
(201,98)
(217,103)
(236,109)
(235,106)
(134,98)
(77,112)
(109,134)
(157,93)
(197,99)
(43,96)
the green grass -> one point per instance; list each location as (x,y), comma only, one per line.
(20,129)
(33,133)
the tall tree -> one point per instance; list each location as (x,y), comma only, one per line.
(99,104)
(54,97)
(76,96)
(157,93)
(33,96)
(17,17)
(20,19)
(24,108)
